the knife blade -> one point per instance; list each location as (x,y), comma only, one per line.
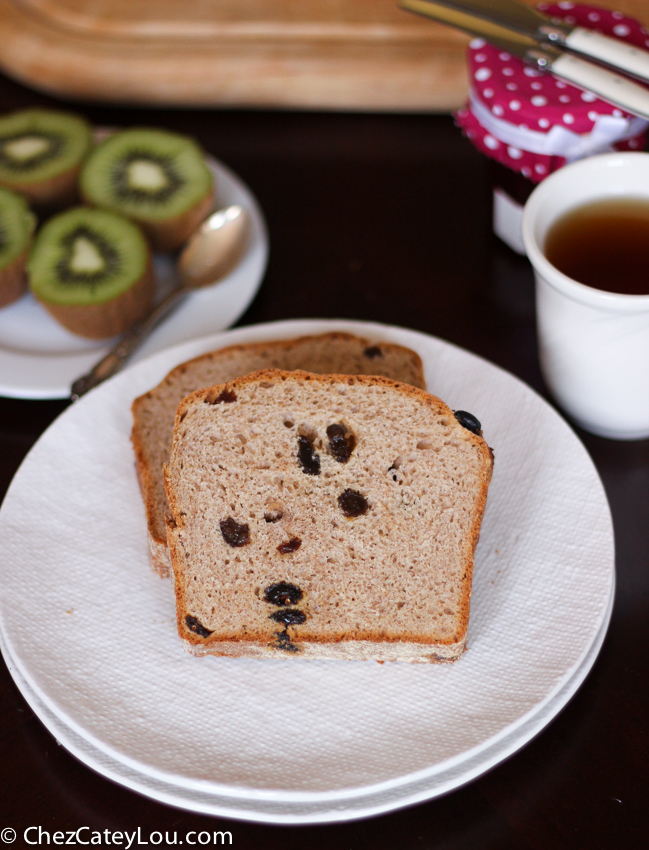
(528,21)
(613,88)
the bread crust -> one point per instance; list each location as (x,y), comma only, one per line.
(149,484)
(409,652)
(342,644)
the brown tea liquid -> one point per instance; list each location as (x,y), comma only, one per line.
(604,245)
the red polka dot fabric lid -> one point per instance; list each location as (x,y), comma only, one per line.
(534,123)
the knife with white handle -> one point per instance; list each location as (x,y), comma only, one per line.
(625,57)
(611,87)
(529,22)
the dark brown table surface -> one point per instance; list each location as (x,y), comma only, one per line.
(385,218)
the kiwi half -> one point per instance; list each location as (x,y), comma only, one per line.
(91,269)
(157,178)
(17,224)
(41,152)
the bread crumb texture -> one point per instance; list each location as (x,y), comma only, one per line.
(330,516)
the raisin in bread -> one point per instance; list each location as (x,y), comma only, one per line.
(153,412)
(324,516)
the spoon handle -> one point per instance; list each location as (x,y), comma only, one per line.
(112,362)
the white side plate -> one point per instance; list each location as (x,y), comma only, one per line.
(39,359)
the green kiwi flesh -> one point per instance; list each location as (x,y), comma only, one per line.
(86,257)
(147,175)
(39,145)
(17,224)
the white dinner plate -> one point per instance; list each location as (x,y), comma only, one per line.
(90,628)
(39,359)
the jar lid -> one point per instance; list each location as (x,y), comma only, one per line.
(534,123)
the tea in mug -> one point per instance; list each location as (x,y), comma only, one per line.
(604,244)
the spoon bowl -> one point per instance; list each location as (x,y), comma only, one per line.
(215,248)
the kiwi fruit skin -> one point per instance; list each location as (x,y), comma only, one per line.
(13,281)
(166,230)
(78,311)
(55,194)
(54,187)
(101,321)
(13,277)
(166,236)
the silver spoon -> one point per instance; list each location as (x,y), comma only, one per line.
(210,253)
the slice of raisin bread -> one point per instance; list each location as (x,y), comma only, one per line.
(324,516)
(153,412)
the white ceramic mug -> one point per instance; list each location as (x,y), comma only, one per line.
(593,345)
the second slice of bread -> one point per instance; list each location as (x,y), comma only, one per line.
(323,516)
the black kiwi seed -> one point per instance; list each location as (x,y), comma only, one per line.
(235,533)
(289,617)
(468,421)
(352,503)
(307,456)
(341,442)
(283,593)
(109,255)
(123,188)
(196,626)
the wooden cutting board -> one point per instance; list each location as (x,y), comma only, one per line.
(356,54)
